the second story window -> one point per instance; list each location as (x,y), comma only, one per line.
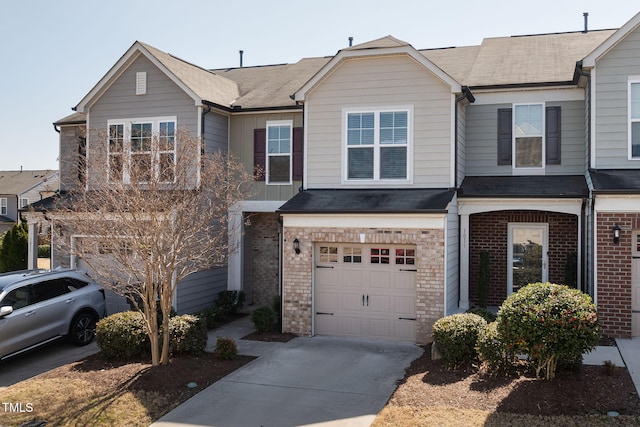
(24,202)
(634,120)
(528,131)
(377,145)
(279,145)
(142,149)
(3,206)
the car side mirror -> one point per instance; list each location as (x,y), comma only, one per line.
(5,310)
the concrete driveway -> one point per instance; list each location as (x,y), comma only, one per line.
(38,361)
(308,381)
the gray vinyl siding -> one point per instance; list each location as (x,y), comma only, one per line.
(216,132)
(241,145)
(200,290)
(119,101)
(378,83)
(12,205)
(42,190)
(481,140)
(611,98)
(452,292)
(461,143)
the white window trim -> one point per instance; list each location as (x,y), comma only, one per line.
(630,120)
(141,83)
(126,149)
(268,155)
(24,202)
(535,170)
(376,145)
(3,206)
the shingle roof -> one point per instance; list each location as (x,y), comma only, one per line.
(15,182)
(434,200)
(556,186)
(616,181)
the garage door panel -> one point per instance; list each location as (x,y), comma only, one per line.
(368,289)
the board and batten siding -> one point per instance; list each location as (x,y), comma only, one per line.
(242,128)
(200,290)
(611,100)
(216,132)
(119,101)
(481,151)
(373,83)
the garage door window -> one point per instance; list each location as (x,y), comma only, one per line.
(328,254)
(379,255)
(352,255)
(405,256)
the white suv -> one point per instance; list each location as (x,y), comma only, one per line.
(37,307)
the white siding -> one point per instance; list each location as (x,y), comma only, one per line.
(611,118)
(461,143)
(380,82)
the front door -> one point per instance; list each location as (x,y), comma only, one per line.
(635,286)
(527,255)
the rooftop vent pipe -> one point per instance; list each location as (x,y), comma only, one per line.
(241,53)
(586,22)
(350,41)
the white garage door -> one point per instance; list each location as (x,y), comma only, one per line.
(365,291)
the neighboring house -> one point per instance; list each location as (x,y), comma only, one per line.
(20,188)
(388,170)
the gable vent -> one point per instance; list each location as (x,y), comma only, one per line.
(141,83)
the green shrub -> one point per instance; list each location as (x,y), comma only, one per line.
(226,348)
(484,313)
(123,336)
(456,336)
(44,251)
(550,324)
(264,318)
(230,301)
(212,316)
(493,353)
(14,249)
(188,334)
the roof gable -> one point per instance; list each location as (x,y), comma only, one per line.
(198,83)
(17,182)
(589,60)
(386,46)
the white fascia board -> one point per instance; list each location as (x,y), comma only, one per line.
(474,206)
(119,67)
(590,60)
(417,221)
(257,205)
(528,95)
(328,68)
(617,203)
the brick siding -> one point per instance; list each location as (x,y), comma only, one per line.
(298,272)
(614,272)
(264,257)
(489,232)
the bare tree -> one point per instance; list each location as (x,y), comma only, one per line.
(153,211)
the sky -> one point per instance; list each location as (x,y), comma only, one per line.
(52,53)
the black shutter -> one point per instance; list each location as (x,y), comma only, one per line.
(260,153)
(552,135)
(298,153)
(505,127)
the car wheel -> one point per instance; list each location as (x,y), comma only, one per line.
(82,329)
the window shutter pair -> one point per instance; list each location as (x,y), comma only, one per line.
(260,153)
(552,135)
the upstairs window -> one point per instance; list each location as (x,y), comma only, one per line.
(143,149)
(377,145)
(528,128)
(279,145)
(634,120)
(3,206)
(24,202)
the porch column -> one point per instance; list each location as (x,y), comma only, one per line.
(32,245)
(463,304)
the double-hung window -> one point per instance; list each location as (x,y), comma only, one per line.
(3,206)
(528,135)
(634,119)
(142,150)
(377,144)
(279,145)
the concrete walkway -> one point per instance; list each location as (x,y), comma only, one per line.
(307,381)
